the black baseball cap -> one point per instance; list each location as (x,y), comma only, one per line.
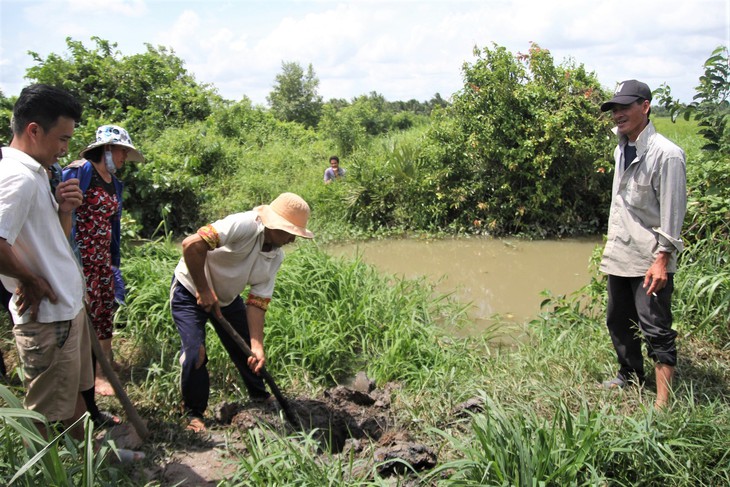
(627,92)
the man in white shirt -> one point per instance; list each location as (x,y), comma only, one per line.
(35,256)
(219,262)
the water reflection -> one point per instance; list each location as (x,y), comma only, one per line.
(503,276)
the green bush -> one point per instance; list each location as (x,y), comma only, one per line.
(523,149)
(530,152)
(703,283)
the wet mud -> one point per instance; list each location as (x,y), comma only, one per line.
(354,420)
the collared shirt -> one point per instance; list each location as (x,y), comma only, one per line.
(649,201)
(237,261)
(29,223)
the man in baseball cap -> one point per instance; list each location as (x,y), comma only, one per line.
(649,200)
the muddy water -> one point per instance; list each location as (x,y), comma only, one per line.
(497,276)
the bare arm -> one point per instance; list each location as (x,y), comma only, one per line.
(69,197)
(195,252)
(255,317)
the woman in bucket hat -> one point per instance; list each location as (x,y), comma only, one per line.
(96,232)
(219,262)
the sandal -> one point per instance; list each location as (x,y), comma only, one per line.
(196,425)
(106,419)
(615,383)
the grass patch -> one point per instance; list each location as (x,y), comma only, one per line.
(545,421)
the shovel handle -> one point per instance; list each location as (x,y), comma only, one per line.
(263,372)
(134,418)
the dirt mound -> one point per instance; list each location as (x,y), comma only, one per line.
(352,419)
(342,413)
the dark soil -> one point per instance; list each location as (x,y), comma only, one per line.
(354,419)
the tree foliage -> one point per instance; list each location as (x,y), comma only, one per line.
(146,93)
(710,212)
(352,124)
(294,97)
(523,149)
(6,113)
(534,150)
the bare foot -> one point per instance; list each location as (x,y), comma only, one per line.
(103,387)
(196,425)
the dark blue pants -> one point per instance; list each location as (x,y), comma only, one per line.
(190,320)
(634,317)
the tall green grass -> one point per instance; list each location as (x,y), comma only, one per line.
(545,421)
(545,418)
(29,459)
(703,289)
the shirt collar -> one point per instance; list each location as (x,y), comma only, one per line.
(642,141)
(23,158)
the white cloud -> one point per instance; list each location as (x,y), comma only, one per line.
(401,49)
(109,9)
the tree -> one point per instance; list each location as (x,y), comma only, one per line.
(145,92)
(709,212)
(294,97)
(522,149)
(532,150)
(149,94)
(6,113)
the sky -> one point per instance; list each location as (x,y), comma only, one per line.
(402,50)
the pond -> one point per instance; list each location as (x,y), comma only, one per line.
(497,276)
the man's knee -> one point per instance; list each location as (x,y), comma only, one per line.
(192,359)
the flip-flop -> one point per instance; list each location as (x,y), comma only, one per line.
(106,419)
(615,383)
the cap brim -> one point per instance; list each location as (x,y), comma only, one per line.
(134,155)
(618,100)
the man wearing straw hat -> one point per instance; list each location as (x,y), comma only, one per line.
(219,262)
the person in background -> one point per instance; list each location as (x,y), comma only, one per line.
(219,262)
(97,230)
(333,172)
(36,259)
(649,200)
